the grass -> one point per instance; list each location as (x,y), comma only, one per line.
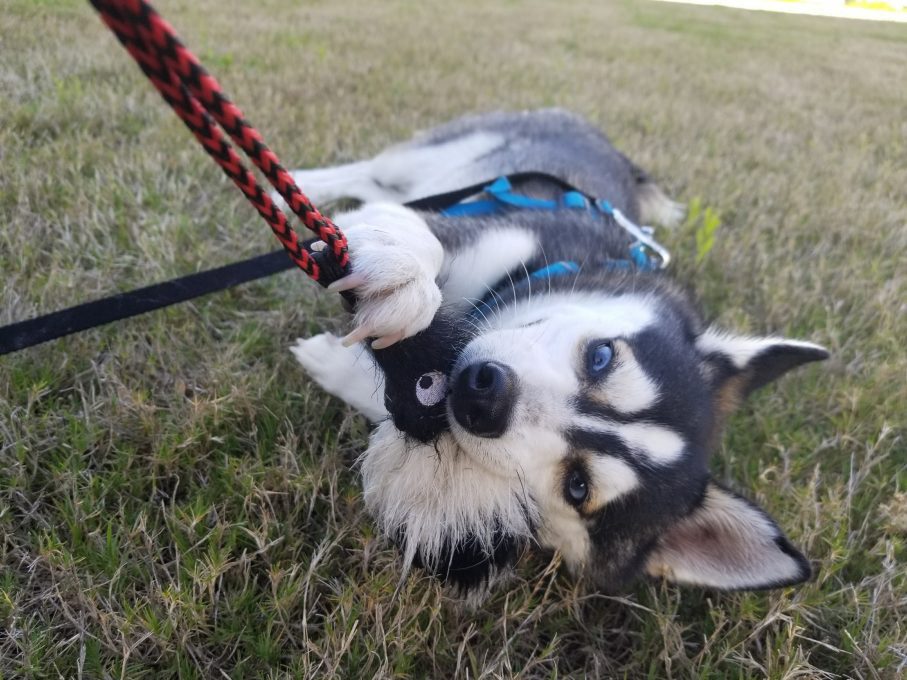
(176,499)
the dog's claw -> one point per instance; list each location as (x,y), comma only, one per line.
(349,282)
(387,340)
(356,335)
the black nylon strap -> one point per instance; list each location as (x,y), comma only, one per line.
(124,305)
(81,317)
(439,202)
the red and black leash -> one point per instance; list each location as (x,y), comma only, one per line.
(199,101)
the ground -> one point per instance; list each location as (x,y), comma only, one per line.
(177,499)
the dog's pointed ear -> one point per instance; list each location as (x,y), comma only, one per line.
(728,543)
(752,362)
(739,364)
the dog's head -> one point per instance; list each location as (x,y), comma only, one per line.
(583,422)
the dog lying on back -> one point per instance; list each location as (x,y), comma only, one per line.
(581,408)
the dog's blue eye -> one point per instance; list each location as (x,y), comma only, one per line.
(577,487)
(599,358)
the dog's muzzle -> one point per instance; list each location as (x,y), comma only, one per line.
(482,398)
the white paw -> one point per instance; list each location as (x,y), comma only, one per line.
(346,372)
(323,358)
(672,214)
(395,259)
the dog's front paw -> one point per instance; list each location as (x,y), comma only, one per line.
(345,372)
(394,259)
(324,359)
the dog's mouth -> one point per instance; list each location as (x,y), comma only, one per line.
(443,501)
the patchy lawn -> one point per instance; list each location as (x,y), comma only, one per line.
(176,498)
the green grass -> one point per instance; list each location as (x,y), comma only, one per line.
(177,500)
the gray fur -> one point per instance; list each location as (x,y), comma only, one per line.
(552,141)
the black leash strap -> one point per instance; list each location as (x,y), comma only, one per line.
(124,305)
(55,325)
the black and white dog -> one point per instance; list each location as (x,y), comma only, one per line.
(580,409)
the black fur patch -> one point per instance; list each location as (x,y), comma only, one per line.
(406,362)
(467,566)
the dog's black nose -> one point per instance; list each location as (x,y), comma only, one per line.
(482,398)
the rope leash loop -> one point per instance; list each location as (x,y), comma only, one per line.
(197,98)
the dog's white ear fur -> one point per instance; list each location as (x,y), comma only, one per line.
(753,361)
(727,543)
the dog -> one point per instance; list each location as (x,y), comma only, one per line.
(579,409)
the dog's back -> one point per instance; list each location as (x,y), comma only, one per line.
(480,147)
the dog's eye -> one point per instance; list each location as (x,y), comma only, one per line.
(576,487)
(598,358)
(431,388)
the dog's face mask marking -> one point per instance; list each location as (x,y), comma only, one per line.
(596,385)
(583,422)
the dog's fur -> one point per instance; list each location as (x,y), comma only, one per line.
(631,442)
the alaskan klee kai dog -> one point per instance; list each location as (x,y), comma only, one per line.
(581,408)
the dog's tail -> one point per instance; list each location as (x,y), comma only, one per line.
(654,204)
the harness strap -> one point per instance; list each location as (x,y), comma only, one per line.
(502,197)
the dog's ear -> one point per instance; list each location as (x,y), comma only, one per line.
(752,362)
(739,364)
(727,543)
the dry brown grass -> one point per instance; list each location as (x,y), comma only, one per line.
(176,498)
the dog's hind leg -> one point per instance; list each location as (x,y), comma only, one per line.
(346,372)
(656,207)
(324,185)
(404,172)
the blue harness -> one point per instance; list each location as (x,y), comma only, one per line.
(502,198)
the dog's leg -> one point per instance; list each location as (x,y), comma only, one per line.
(656,207)
(402,173)
(395,259)
(346,372)
(353,180)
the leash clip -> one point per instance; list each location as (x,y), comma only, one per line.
(643,235)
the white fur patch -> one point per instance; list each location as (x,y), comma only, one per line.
(401,173)
(397,258)
(436,493)
(741,349)
(565,530)
(603,315)
(323,185)
(629,388)
(659,444)
(437,168)
(611,477)
(466,275)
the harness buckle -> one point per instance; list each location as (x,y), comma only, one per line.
(644,236)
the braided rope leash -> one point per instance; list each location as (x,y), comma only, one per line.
(199,101)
